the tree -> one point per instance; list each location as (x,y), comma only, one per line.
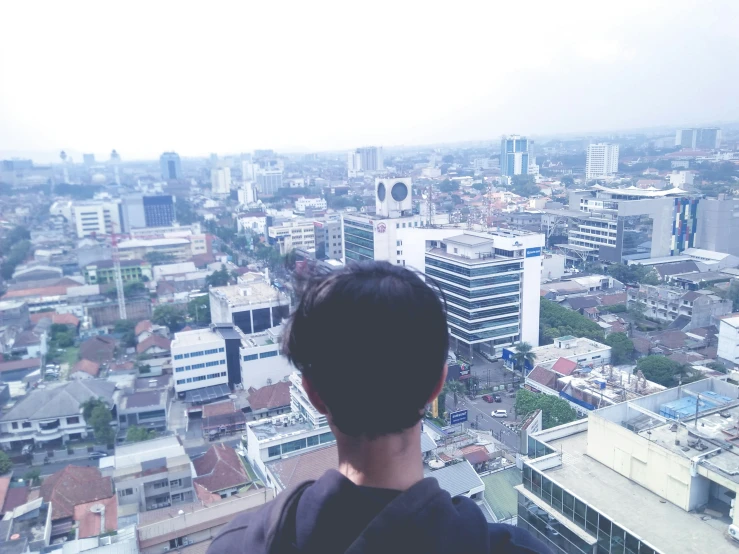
(554,410)
(523,185)
(218,278)
(662,370)
(637,309)
(170,316)
(622,348)
(32,476)
(5,463)
(199,309)
(138,434)
(568,181)
(479,186)
(557,321)
(523,357)
(126,328)
(448,186)
(99,420)
(716,366)
(136,288)
(456,389)
(634,274)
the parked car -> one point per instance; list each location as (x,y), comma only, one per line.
(27,449)
(488,398)
(497,398)
(97,455)
(499,413)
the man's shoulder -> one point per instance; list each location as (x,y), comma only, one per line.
(233,536)
(507,539)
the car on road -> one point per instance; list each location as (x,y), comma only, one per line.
(97,455)
(490,398)
(499,413)
(497,398)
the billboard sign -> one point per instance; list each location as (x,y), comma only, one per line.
(533,252)
(455,418)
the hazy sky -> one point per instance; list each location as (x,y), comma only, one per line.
(145,77)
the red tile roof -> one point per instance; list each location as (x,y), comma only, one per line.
(543,376)
(220,468)
(123,366)
(87,366)
(218,408)
(152,341)
(30,363)
(270,397)
(303,467)
(98,349)
(90,521)
(141,326)
(72,486)
(563,366)
(4,486)
(60,319)
(17,496)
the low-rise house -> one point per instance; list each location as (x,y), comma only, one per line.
(145,329)
(53,415)
(16,370)
(155,353)
(100,349)
(84,369)
(146,408)
(30,344)
(72,491)
(684,310)
(222,418)
(219,472)
(150,474)
(269,400)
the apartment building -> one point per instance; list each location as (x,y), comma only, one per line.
(261,361)
(491,285)
(685,310)
(149,475)
(199,359)
(293,234)
(97,217)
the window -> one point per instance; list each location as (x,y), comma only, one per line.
(313,441)
(250,357)
(178,497)
(175,483)
(222,362)
(268,354)
(223,373)
(398,252)
(178,356)
(125,492)
(397,225)
(73,420)
(122,419)
(221,350)
(160,484)
(403,225)
(15,425)
(186,355)
(26,425)
(179,369)
(273,451)
(180,381)
(211,364)
(198,366)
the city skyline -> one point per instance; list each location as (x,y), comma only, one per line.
(87,87)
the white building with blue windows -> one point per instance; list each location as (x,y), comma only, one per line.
(491,285)
(199,360)
(261,361)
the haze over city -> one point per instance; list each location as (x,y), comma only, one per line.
(146,77)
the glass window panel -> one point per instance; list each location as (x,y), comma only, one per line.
(580,510)
(591,522)
(546,490)
(536,483)
(557,497)
(568,502)
(632,544)
(617,540)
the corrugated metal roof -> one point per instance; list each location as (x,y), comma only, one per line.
(456,479)
(427,443)
(500,494)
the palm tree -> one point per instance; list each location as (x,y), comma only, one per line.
(454,388)
(523,356)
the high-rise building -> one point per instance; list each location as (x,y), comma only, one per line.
(88,159)
(718,225)
(220,180)
(147,211)
(698,139)
(514,155)
(655,474)
(615,225)
(370,158)
(169,163)
(602,161)
(98,218)
(328,238)
(269,181)
(353,163)
(491,283)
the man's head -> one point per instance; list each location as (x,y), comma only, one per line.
(372,342)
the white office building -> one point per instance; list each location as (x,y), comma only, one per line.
(602,161)
(247,194)
(269,181)
(261,361)
(220,180)
(491,285)
(253,305)
(292,234)
(303,203)
(354,163)
(198,360)
(97,218)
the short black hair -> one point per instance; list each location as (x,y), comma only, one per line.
(372,339)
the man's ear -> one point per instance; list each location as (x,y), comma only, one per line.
(313,396)
(440,385)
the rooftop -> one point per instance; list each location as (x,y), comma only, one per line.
(220,468)
(56,401)
(642,193)
(304,466)
(458,478)
(270,397)
(254,291)
(442,253)
(143,243)
(643,513)
(275,428)
(134,457)
(469,240)
(144,399)
(72,486)
(192,337)
(551,352)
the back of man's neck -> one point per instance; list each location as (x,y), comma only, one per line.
(387,462)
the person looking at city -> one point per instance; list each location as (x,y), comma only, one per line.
(371,342)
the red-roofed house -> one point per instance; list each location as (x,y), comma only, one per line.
(270,400)
(542,377)
(89,517)
(57,319)
(73,486)
(145,329)
(563,366)
(85,369)
(220,471)
(100,349)
(154,345)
